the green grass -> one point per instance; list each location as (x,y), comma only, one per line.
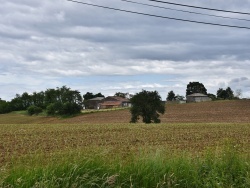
(225,168)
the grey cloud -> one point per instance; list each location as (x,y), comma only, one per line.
(63,39)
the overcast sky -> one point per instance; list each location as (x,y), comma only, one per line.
(48,44)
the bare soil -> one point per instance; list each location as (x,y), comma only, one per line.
(218,111)
(237,111)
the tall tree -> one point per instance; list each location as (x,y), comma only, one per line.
(120,94)
(88,96)
(171,96)
(225,93)
(230,93)
(4,106)
(195,87)
(148,105)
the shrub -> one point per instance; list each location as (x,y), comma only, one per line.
(63,108)
(34,110)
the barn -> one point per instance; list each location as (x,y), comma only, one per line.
(115,102)
(198,97)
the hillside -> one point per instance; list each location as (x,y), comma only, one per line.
(218,111)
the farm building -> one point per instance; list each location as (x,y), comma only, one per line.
(198,97)
(114,102)
(94,103)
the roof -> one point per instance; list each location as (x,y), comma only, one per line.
(119,98)
(197,95)
(111,103)
(97,99)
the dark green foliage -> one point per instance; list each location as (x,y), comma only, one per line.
(51,109)
(212,96)
(59,101)
(34,110)
(171,96)
(195,87)
(4,107)
(225,93)
(148,105)
(89,95)
(179,98)
(38,99)
(62,109)
(120,94)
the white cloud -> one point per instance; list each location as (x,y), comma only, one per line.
(54,43)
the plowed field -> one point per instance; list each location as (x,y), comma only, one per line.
(207,112)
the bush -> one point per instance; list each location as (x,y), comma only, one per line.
(63,108)
(51,110)
(34,110)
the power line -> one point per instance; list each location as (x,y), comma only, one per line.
(220,10)
(191,12)
(157,16)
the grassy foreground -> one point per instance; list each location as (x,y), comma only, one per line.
(228,169)
(125,155)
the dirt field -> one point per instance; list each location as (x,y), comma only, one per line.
(190,127)
(207,112)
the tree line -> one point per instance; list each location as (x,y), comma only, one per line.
(59,101)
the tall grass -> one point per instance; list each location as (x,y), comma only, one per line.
(226,168)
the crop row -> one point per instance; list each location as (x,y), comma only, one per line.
(20,140)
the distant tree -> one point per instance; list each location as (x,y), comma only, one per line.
(225,93)
(17,103)
(195,87)
(212,96)
(120,94)
(238,93)
(51,96)
(63,101)
(34,110)
(230,93)
(4,107)
(26,100)
(38,99)
(148,105)
(221,94)
(171,96)
(179,98)
(89,95)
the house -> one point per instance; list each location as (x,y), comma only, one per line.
(197,97)
(114,102)
(94,103)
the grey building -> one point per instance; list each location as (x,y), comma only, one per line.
(94,103)
(198,97)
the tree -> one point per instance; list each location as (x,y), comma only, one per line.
(89,95)
(225,93)
(195,87)
(34,110)
(212,96)
(120,94)
(238,93)
(148,105)
(99,95)
(171,96)
(230,93)
(4,107)
(63,101)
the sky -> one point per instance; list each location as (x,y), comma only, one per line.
(48,44)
